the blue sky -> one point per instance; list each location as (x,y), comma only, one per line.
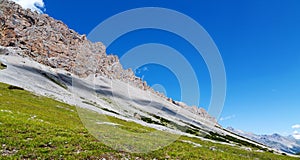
(259,42)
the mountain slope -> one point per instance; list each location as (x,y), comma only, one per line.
(45,57)
(108,97)
(33,127)
(50,42)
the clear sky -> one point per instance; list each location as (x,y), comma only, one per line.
(259,42)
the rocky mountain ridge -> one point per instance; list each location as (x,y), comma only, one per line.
(52,43)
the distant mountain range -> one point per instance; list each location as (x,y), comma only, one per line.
(286,144)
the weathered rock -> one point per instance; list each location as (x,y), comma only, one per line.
(137,116)
(52,43)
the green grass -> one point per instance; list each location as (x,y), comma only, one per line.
(35,127)
(96,105)
(108,100)
(227,138)
(187,129)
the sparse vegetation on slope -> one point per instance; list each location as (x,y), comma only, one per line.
(35,127)
(2,66)
(55,80)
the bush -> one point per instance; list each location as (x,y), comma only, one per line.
(2,66)
(15,87)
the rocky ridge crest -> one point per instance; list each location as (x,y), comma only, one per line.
(52,43)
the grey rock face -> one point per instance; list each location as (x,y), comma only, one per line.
(51,42)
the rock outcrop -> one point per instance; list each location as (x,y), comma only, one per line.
(52,43)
